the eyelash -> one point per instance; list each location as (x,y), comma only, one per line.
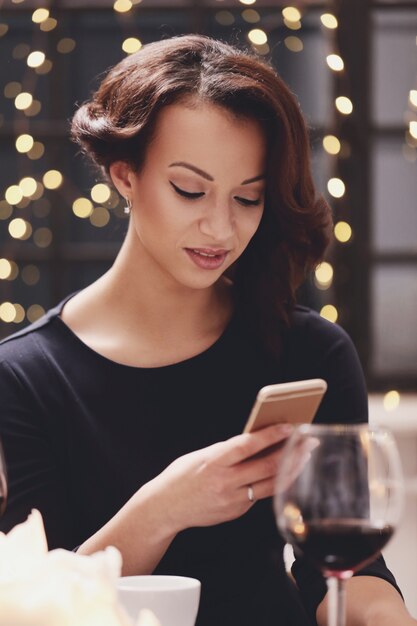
(187,194)
(194,196)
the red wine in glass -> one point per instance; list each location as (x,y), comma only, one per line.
(340,546)
(338,499)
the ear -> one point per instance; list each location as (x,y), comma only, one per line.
(120,173)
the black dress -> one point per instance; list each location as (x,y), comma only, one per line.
(82,433)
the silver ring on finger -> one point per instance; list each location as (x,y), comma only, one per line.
(251,495)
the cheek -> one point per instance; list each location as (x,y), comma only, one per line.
(252,222)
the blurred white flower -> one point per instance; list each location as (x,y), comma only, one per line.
(56,588)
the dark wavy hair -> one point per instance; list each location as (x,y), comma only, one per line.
(118,123)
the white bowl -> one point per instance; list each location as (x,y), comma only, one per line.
(173,599)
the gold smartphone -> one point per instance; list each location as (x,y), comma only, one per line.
(292,403)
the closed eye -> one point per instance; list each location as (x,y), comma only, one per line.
(247,202)
(186,194)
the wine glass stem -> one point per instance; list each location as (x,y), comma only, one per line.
(336,613)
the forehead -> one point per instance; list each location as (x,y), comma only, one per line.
(208,136)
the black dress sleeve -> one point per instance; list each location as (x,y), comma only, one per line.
(328,353)
(34,473)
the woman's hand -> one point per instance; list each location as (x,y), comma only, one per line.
(210,486)
(202,488)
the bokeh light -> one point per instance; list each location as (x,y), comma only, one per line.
(82,207)
(37,151)
(36,58)
(342,232)
(335,62)
(40,15)
(100,193)
(292,25)
(323,275)
(33,109)
(257,36)
(294,44)
(391,400)
(23,101)
(7,312)
(5,269)
(20,228)
(48,25)
(329,20)
(5,210)
(331,144)
(131,45)
(44,68)
(52,179)
(24,143)
(19,313)
(100,217)
(292,14)
(12,89)
(329,312)
(336,187)
(122,6)
(13,194)
(28,186)
(344,105)
(251,16)
(66,45)
(34,312)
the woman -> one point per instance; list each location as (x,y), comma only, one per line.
(122,407)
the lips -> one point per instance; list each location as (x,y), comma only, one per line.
(207,258)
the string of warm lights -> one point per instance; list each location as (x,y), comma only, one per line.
(337,187)
(24,202)
(333,146)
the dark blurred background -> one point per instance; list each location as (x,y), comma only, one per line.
(351,63)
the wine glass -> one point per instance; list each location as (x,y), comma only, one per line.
(338,499)
(3,482)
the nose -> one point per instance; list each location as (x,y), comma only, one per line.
(218,222)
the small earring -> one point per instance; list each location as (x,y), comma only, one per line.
(128,206)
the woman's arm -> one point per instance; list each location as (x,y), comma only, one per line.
(370,601)
(202,488)
(34,464)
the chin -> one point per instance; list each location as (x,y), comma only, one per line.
(202,282)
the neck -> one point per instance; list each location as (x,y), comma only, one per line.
(143,295)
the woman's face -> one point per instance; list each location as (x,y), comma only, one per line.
(199,197)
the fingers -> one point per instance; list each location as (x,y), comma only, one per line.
(259,468)
(241,447)
(261,475)
(260,490)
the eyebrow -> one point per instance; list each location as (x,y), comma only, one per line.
(204,174)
